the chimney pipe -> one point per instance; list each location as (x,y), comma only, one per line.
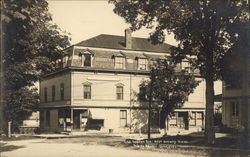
(128,38)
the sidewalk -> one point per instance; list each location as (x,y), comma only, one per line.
(134,136)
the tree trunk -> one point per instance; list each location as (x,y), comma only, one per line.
(209,118)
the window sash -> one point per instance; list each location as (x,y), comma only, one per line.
(87,60)
(123,118)
(119,62)
(47,118)
(119,93)
(87,92)
(142,64)
(53,93)
(235,108)
(45,94)
(62,91)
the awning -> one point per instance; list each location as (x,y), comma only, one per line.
(97,113)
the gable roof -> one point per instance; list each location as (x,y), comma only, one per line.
(118,42)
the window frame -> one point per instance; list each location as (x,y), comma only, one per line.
(47,118)
(119,95)
(142,62)
(185,65)
(89,61)
(123,117)
(235,108)
(87,94)
(53,93)
(62,91)
(45,94)
(119,62)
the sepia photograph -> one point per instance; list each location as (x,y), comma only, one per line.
(125,78)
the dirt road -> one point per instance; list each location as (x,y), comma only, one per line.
(77,148)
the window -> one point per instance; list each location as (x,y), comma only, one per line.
(87,91)
(235,108)
(185,66)
(142,93)
(65,61)
(53,92)
(142,64)
(123,118)
(119,62)
(199,115)
(62,91)
(41,118)
(155,119)
(45,94)
(192,121)
(87,60)
(47,118)
(234,83)
(119,92)
(61,115)
(80,59)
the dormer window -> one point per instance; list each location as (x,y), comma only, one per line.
(86,58)
(119,62)
(142,64)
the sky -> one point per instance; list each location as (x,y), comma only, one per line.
(86,19)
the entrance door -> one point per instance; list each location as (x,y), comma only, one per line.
(182,122)
(80,119)
(76,119)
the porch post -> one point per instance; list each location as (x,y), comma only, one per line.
(71,119)
(176,114)
(195,114)
(203,119)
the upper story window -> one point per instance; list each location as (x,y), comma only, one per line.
(53,92)
(142,94)
(62,91)
(119,92)
(142,64)
(87,60)
(233,84)
(235,108)
(65,60)
(87,91)
(185,65)
(45,94)
(119,62)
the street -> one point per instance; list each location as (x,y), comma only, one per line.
(70,147)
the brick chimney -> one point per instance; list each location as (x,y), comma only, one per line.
(128,38)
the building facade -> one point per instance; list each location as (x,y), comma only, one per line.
(236,94)
(96,87)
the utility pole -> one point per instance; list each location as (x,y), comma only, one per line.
(150,102)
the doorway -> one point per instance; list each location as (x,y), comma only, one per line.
(182,122)
(80,119)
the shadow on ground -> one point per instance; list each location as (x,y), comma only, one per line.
(7,148)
